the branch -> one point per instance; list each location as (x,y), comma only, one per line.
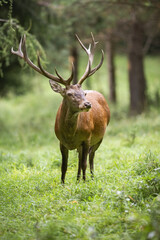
(3,20)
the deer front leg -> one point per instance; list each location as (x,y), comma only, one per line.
(83,152)
(85,149)
(79,163)
(64,152)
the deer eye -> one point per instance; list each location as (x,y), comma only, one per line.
(69,94)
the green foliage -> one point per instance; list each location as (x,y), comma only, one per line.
(8,63)
(10,32)
(147,225)
(122,202)
(3,2)
(54,25)
(8,39)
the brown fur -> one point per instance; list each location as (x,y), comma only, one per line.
(81,128)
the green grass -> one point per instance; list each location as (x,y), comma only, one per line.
(123,200)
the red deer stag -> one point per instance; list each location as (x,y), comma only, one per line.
(82,116)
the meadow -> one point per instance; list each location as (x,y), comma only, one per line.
(123,199)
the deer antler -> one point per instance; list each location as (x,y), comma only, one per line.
(22,52)
(90,52)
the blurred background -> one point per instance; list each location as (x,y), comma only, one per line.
(128,32)
(123,201)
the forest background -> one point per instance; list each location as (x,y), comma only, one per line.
(123,201)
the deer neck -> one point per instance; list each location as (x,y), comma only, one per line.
(69,118)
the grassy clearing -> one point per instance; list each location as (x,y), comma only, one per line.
(123,200)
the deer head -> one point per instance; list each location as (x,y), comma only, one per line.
(72,93)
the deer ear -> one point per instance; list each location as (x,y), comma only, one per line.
(56,87)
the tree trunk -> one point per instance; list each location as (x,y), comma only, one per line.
(137,79)
(111,68)
(74,59)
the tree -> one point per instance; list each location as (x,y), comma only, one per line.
(111,67)
(141,15)
(134,23)
(137,80)
(10,32)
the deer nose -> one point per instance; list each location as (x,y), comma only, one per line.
(87,105)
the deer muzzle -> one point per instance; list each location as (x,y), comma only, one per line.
(85,106)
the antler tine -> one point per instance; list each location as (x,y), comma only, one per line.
(58,79)
(68,81)
(47,74)
(98,66)
(25,56)
(94,43)
(102,58)
(88,68)
(22,52)
(90,53)
(81,43)
(19,51)
(72,75)
(24,48)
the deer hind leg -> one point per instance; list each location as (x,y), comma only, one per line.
(64,152)
(83,152)
(91,157)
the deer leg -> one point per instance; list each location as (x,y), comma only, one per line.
(91,157)
(64,152)
(85,149)
(79,163)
